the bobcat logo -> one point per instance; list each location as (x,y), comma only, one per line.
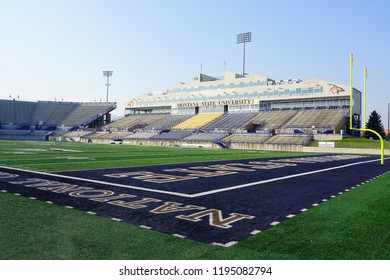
(336,90)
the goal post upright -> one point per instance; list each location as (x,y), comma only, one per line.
(364,109)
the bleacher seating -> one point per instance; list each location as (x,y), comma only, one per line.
(72,134)
(54,114)
(141,135)
(87,111)
(167,122)
(132,122)
(172,135)
(34,120)
(288,139)
(229,121)
(204,137)
(319,118)
(37,135)
(252,138)
(107,135)
(273,119)
(125,122)
(96,135)
(197,121)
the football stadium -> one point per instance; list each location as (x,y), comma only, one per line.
(231,167)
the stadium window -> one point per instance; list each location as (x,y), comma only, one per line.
(310,90)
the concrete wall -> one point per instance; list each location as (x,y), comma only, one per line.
(328,137)
(344,151)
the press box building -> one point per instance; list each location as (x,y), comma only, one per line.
(245,93)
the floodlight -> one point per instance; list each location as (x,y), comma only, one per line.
(244,38)
(107,74)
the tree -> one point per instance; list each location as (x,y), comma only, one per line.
(375,123)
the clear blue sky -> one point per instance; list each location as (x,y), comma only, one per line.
(58,49)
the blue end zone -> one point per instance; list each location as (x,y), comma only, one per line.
(214,202)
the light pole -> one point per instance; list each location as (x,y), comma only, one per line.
(244,38)
(107,74)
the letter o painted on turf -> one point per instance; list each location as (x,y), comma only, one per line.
(92,193)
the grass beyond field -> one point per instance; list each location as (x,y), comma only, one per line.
(351,226)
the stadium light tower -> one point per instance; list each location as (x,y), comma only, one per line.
(107,74)
(244,38)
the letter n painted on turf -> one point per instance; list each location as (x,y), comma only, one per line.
(171,207)
(215,218)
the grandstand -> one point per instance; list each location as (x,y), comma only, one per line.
(44,120)
(245,111)
(252,109)
(50,115)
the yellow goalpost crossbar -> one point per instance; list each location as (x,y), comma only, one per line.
(364,107)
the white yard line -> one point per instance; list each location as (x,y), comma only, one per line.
(282,178)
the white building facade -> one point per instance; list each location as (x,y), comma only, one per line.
(238,93)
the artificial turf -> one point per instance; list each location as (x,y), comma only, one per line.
(351,226)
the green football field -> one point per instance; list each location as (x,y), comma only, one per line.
(354,225)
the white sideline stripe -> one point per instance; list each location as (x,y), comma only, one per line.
(196,194)
(178,235)
(98,182)
(229,244)
(145,227)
